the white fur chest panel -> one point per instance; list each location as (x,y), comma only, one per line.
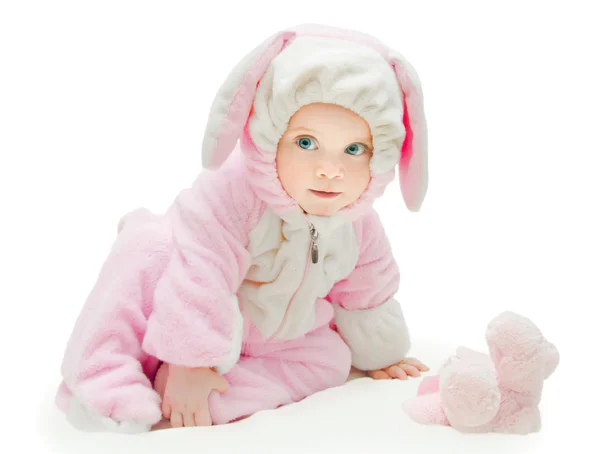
(283,283)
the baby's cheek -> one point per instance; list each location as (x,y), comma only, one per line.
(285,170)
(358,177)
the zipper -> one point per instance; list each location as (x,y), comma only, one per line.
(314,248)
(313,256)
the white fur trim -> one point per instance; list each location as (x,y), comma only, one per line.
(377,337)
(329,70)
(236,344)
(86,420)
(276,295)
(223,98)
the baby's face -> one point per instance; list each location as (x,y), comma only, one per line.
(323,158)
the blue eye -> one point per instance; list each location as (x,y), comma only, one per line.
(305,142)
(356,149)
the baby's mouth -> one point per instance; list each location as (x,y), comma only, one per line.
(325,194)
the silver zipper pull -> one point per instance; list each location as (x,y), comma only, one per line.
(315,249)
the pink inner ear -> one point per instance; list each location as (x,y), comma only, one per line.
(412,161)
(407,146)
(409,168)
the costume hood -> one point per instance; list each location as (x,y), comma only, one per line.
(315,63)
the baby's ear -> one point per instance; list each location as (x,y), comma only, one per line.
(233,102)
(412,165)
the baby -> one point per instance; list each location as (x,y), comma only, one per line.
(272,276)
(322,163)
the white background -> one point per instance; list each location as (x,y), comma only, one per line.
(102,109)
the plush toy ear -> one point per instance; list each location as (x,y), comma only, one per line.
(521,374)
(552,360)
(233,101)
(426,409)
(413,162)
(527,374)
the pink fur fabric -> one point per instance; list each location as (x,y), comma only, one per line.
(499,392)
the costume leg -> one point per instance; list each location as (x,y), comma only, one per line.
(282,373)
(106,375)
(277,374)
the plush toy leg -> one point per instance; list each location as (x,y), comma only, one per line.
(426,409)
(523,422)
(429,385)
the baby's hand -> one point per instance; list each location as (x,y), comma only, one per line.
(185,401)
(401,370)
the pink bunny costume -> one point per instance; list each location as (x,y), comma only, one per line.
(235,275)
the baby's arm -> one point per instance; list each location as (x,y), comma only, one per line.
(366,314)
(196,326)
(195,319)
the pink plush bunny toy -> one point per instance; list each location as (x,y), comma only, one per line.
(501,392)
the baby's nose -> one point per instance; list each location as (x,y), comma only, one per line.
(330,169)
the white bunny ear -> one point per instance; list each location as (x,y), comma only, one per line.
(412,165)
(233,101)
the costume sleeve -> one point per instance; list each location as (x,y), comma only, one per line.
(196,321)
(367,315)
